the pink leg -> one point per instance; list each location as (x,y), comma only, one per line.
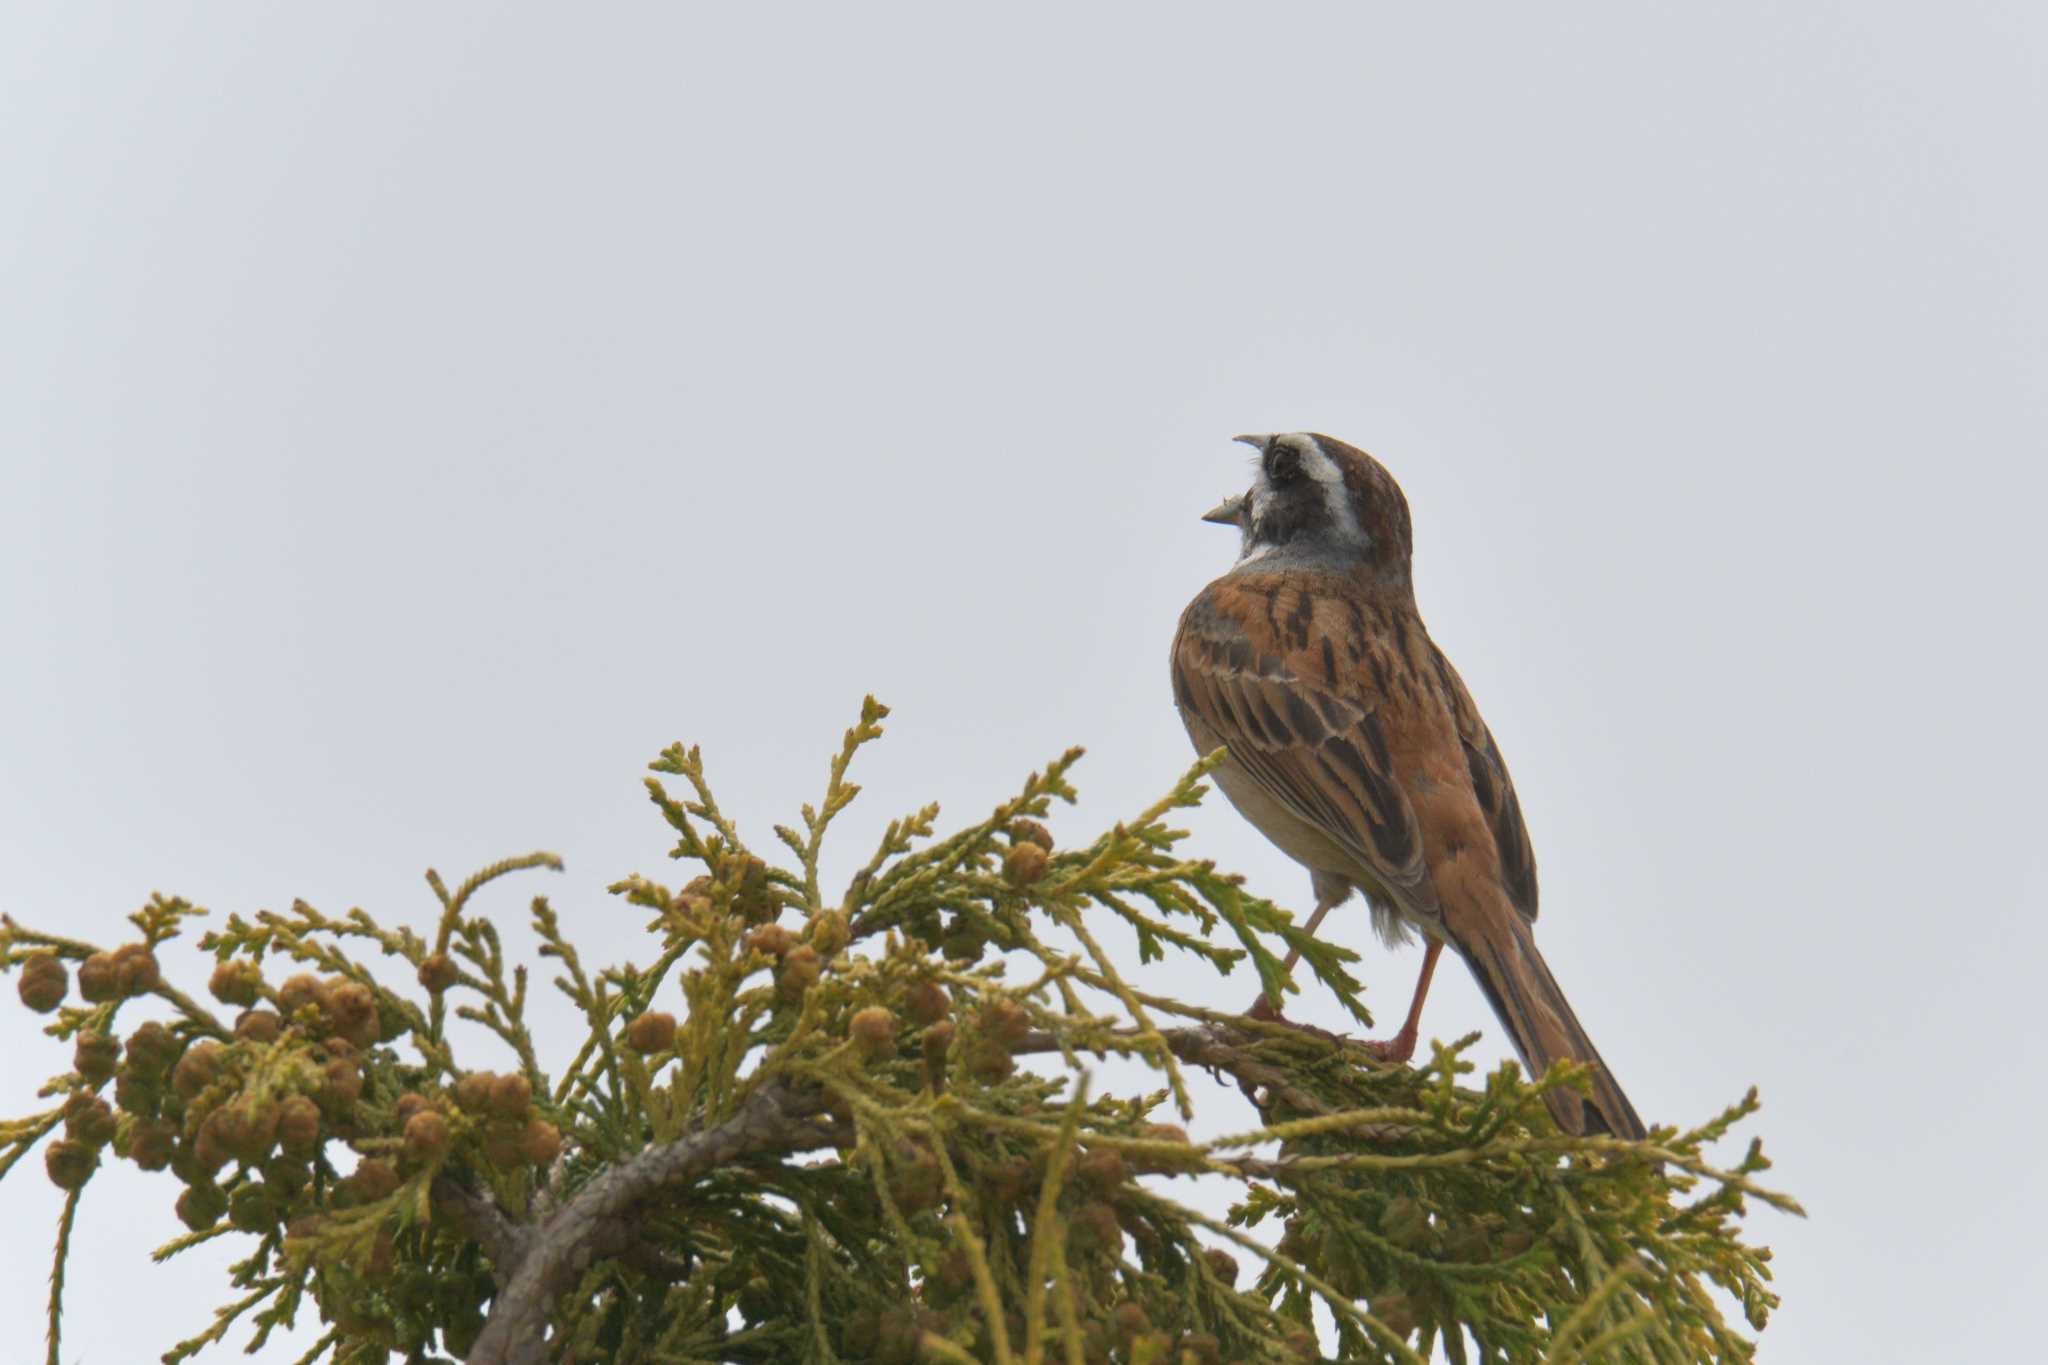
(1263,1008)
(1401,1046)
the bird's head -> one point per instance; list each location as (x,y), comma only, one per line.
(1317,502)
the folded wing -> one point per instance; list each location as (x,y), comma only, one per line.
(1320,754)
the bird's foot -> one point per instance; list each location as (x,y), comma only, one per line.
(1394,1051)
(1262,1009)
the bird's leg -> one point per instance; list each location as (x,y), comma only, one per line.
(1401,1046)
(1329,895)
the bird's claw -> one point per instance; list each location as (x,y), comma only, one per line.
(1263,1010)
(1394,1051)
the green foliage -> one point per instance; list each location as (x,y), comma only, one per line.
(923,1196)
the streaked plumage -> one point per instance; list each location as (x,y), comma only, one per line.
(1355,747)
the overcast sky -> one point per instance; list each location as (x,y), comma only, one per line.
(413,418)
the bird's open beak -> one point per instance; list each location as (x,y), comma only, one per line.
(1227,512)
(1258,443)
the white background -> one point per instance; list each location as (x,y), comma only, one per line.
(413,417)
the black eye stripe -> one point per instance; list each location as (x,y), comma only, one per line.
(1283,464)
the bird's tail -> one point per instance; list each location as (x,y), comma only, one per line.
(1527,1000)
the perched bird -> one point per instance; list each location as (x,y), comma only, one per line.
(1354,746)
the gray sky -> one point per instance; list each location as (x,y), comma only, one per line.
(410,421)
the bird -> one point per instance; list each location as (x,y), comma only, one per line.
(1353,745)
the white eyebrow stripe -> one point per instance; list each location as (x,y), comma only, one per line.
(1324,470)
(1328,476)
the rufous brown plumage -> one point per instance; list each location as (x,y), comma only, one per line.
(1354,746)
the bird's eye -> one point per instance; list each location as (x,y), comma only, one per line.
(1283,464)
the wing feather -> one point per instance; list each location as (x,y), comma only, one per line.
(1495,792)
(1319,754)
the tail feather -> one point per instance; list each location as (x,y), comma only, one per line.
(1531,1007)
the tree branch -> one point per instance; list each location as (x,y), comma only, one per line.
(535,1263)
(600,1222)
(482,1220)
(1215,1047)
(1223,1050)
